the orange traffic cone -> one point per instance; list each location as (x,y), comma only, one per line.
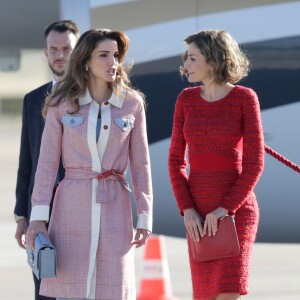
(155,281)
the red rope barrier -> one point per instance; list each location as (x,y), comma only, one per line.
(282,159)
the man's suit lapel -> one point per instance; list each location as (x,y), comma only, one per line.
(44,93)
(37,106)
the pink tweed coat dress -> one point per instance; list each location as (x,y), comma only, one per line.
(91,223)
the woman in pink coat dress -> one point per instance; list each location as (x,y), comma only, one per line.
(96,123)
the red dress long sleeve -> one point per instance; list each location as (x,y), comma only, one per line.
(224,144)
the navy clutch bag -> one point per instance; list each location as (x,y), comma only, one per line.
(43,258)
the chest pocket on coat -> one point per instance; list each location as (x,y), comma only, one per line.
(123,126)
(73,124)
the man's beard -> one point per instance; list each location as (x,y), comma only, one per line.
(55,72)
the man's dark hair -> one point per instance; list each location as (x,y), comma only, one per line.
(62,26)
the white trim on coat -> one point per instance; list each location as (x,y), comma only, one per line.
(144,221)
(96,207)
(40,213)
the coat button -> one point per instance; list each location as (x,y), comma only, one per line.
(105,127)
(105,103)
(72,121)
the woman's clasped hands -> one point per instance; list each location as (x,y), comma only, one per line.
(197,227)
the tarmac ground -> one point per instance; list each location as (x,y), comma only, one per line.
(275,269)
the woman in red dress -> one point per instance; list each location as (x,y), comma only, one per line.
(220,125)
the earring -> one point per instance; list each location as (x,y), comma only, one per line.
(86,68)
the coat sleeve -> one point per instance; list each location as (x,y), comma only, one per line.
(47,168)
(177,160)
(253,154)
(140,169)
(25,166)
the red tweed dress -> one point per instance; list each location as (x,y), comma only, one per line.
(224,144)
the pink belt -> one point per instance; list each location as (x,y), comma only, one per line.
(114,175)
(102,191)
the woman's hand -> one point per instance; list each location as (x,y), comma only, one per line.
(33,229)
(138,240)
(21,232)
(193,224)
(211,221)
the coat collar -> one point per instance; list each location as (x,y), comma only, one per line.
(116,100)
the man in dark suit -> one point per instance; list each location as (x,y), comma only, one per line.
(60,37)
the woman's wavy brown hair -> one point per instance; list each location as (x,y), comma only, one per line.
(76,80)
(222,52)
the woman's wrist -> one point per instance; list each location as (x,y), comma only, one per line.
(187,210)
(221,212)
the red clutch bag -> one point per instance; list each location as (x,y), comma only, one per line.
(224,244)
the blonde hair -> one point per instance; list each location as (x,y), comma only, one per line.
(76,80)
(222,52)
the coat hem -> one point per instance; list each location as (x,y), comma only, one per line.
(69,290)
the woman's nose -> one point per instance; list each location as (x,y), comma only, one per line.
(113,61)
